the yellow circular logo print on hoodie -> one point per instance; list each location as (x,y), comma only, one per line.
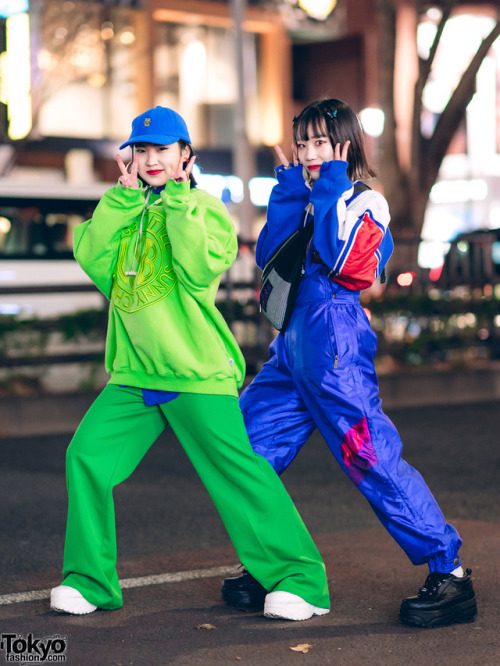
(152,262)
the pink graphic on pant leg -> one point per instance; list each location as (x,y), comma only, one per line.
(357,451)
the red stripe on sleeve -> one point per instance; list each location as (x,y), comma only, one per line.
(359,269)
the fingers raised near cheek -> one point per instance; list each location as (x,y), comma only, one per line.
(340,152)
(345,149)
(281,156)
(128,177)
(121,164)
(125,178)
(190,165)
(135,165)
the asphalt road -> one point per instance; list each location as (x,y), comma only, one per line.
(166,524)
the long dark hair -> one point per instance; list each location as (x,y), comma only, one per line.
(337,121)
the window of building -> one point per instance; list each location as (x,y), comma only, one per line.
(85,69)
(195,73)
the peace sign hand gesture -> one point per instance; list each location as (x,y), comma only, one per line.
(283,159)
(128,178)
(182,175)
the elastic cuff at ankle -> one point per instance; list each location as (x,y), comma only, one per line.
(444,564)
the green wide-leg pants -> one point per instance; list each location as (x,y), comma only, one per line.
(261,520)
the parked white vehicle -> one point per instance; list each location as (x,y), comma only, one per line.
(38,275)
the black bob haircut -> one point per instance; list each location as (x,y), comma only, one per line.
(337,121)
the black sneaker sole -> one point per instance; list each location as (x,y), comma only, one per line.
(460,614)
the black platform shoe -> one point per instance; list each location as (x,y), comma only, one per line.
(444,599)
(244,592)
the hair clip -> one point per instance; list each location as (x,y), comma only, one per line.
(332,114)
(295,118)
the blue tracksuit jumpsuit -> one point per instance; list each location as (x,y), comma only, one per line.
(321,373)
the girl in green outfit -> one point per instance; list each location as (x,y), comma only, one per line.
(156,247)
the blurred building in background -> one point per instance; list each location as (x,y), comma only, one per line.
(74,74)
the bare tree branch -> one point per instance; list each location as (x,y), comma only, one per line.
(445,15)
(425,67)
(454,112)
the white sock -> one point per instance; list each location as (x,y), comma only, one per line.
(458,572)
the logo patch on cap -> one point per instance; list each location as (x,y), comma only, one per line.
(147,122)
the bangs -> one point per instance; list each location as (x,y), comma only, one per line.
(311,119)
(335,120)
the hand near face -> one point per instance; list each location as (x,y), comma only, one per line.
(283,159)
(128,178)
(182,175)
(340,152)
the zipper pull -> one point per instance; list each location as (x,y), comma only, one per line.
(336,362)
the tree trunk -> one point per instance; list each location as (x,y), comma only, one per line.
(407,188)
(397,186)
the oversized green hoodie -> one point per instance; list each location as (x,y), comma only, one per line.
(164,330)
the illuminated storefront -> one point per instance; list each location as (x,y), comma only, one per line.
(194,69)
(73,74)
(95,66)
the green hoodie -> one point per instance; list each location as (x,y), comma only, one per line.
(164,331)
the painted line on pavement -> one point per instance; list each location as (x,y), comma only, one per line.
(127,583)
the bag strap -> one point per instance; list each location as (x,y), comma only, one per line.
(360,187)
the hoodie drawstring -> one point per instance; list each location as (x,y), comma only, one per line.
(132,272)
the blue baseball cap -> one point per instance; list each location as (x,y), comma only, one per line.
(159,125)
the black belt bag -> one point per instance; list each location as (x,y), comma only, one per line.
(281,277)
(284,270)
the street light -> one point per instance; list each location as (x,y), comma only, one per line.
(318,9)
(372,121)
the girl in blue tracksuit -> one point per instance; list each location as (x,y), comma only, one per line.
(321,369)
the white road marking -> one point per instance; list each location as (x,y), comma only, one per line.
(127,583)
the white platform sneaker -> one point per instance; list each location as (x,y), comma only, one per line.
(65,599)
(287,606)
